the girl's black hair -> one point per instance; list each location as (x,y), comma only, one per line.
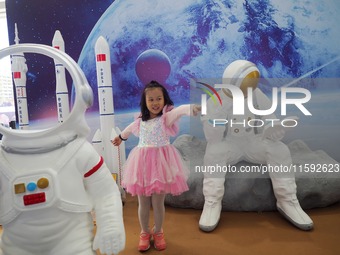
(145,114)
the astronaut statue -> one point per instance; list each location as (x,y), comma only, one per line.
(229,144)
(51,179)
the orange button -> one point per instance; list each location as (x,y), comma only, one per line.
(43,183)
(19,188)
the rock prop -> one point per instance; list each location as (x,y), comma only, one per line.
(253,191)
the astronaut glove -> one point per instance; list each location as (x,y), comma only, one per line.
(273,133)
(110,234)
(277,131)
(104,192)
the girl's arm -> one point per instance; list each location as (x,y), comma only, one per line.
(128,130)
(123,136)
(180,111)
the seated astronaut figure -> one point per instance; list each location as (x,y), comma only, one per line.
(229,144)
(51,180)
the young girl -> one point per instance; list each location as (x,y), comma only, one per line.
(154,168)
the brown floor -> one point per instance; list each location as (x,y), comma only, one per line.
(239,233)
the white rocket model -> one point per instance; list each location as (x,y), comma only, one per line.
(19,70)
(114,157)
(61,86)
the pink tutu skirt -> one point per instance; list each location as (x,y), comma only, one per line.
(150,170)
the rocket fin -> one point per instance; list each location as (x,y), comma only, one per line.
(97,142)
(122,148)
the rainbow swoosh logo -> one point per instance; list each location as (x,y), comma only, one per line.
(212,92)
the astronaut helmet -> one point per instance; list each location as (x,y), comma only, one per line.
(30,141)
(243,74)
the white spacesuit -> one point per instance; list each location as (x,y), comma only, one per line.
(239,140)
(51,180)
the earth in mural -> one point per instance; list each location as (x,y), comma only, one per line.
(197,39)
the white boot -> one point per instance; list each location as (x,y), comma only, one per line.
(213,190)
(210,215)
(288,205)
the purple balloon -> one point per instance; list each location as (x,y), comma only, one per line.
(151,65)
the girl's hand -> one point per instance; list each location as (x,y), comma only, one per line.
(116,141)
(196,109)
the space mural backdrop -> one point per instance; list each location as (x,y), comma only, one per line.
(187,40)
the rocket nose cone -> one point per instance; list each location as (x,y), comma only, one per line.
(101,45)
(58,41)
(57,36)
(57,33)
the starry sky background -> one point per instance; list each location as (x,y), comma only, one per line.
(287,45)
(37,22)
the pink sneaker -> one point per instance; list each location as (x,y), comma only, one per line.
(159,241)
(144,241)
